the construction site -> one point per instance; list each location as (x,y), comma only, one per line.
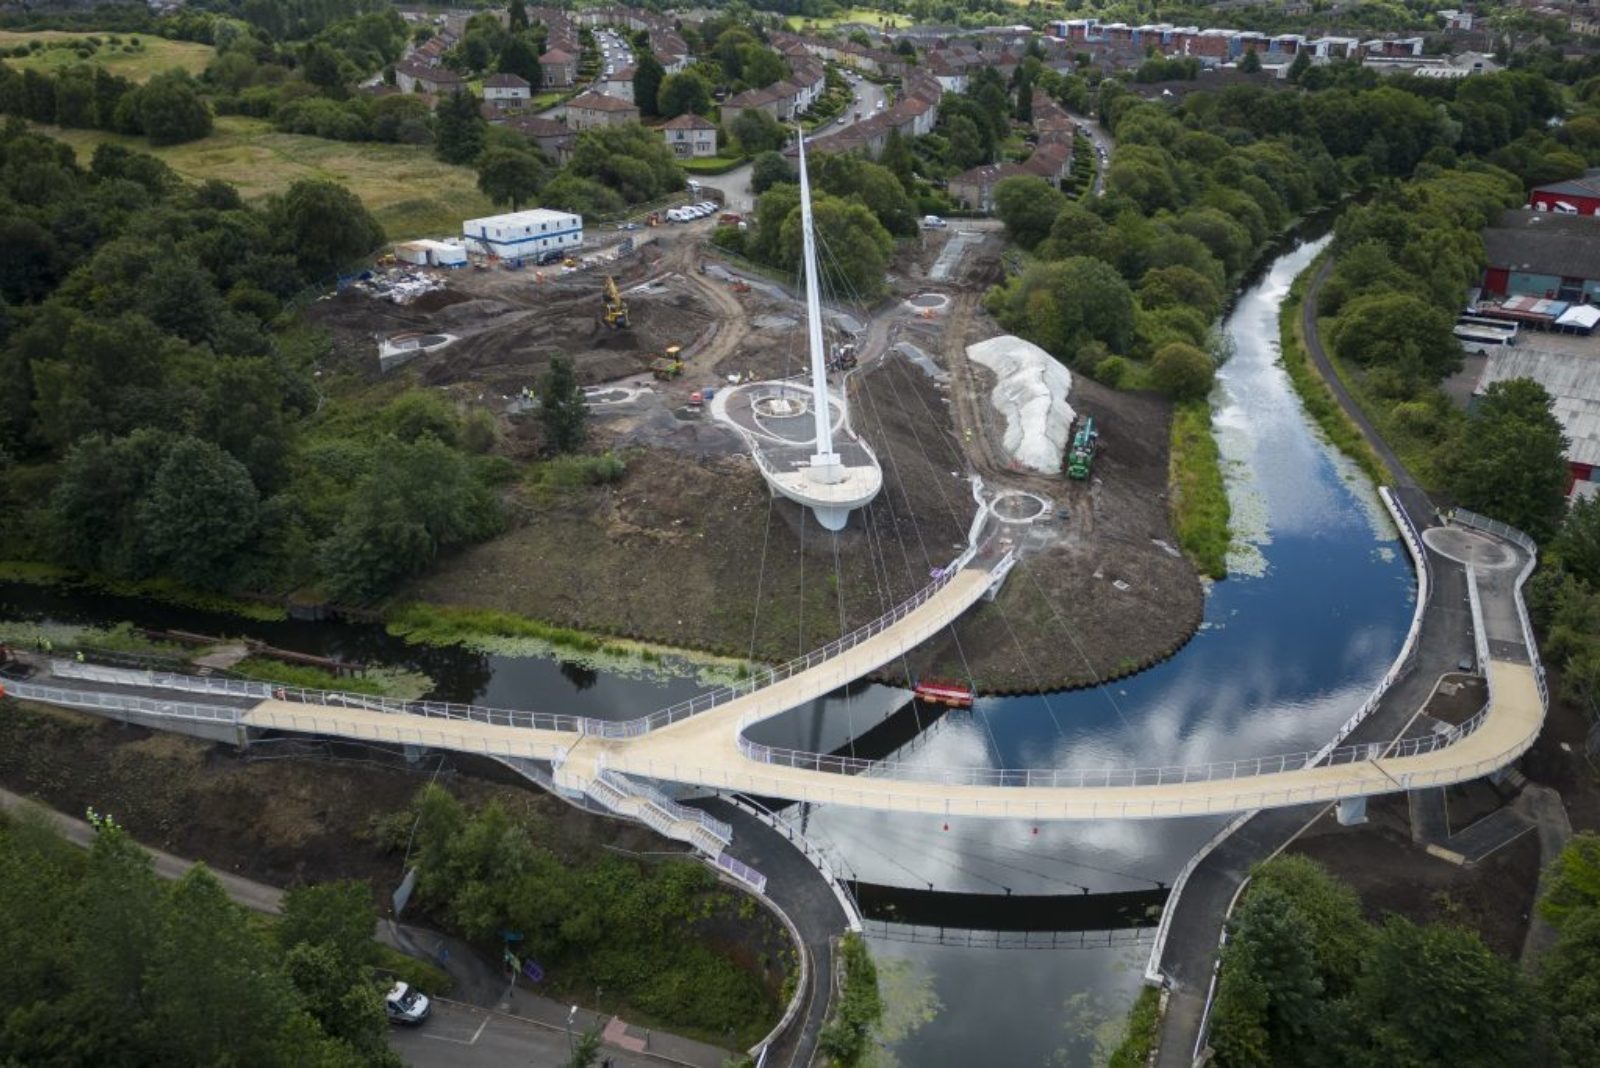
(690,549)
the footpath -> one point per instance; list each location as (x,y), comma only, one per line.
(1189,959)
(477,981)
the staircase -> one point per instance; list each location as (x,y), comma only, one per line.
(638,801)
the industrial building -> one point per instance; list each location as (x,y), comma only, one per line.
(1575,196)
(1544,255)
(523,235)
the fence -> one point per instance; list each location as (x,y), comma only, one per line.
(111,702)
(672,808)
(966,938)
(742,871)
(161,680)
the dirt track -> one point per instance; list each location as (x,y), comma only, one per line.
(691,550)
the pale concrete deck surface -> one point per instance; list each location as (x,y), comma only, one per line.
(703,749)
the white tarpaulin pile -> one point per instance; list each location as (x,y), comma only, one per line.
(1032,396)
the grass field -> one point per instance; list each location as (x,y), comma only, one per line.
(411,193)
(855,14)
(155,57)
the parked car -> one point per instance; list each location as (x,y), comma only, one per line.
(933,222)
(405,1004)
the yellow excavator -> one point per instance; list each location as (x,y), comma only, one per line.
(616,309)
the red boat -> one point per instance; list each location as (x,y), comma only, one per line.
(944,692)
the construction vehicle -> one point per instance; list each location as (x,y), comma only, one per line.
(739,285)
(1085,443)
(616,309)
(843,357)
(653,219)
(669,365)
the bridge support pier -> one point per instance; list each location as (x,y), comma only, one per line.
(415,753)
(1351,812)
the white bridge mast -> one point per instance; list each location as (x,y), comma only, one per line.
(825,467)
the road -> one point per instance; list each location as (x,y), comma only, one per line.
(735,185)
(465,1036)
(1103,147)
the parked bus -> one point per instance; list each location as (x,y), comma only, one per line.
(1470,320)
(1482,339)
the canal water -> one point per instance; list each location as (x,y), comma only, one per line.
(1315,607)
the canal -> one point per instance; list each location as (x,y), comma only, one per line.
(1315,607)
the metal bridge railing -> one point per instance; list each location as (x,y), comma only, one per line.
(113,702)
(675,809)
(742,871)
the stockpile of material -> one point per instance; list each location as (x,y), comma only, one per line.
(1031,394)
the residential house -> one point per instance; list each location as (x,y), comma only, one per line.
(558,69)
(414,77)
(554,139)
(507,91)
(592,109)
(619,84)
(689,136)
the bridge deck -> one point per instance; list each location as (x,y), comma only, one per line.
(704,749)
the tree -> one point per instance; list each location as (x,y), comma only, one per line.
(201,513)
(1570,986)
(686,91)
(519,56)
(761,67)
(1578,543)
(1438,995)
(1398,331)
(1271,942)
(1511,462)
(1250,63)
(217,994)
(1063,306)
(325,226)
(413,500)
(1182,372)
(756,132)
(628,158)
(1572,882)
(647,75)
(1028,206)
(898,159)
(458,128)
(507,176)
(562,410)
(171,112)
(858,247)
(848,175)
(769,169)
(517,16)
(1301,64)
(965,143)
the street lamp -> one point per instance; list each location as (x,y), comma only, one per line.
(572,1015)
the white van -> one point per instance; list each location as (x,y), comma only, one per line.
(405,1004)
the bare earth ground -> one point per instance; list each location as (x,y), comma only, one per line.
(690,550)
(290,820)
(1391,875)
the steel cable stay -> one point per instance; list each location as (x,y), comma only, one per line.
(966,667)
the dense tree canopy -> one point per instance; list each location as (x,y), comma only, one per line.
(1513,467)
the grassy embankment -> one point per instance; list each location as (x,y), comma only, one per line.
(1134,1052)
(1314,392)
(137,57)
(409,191)
(866,15)
(168,591)
(1199,493)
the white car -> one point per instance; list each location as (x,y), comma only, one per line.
(933,222)
(709,206)
(675,215)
